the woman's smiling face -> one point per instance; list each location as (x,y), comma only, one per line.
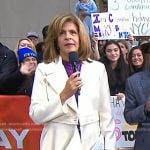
(112,52)
(137,58)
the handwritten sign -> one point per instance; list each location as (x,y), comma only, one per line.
(125,133)
(138,14)
(110,25)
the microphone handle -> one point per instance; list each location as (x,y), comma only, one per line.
(75,69)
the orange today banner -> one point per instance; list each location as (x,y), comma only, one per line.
(17,130)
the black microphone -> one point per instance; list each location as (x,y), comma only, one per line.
(73,58)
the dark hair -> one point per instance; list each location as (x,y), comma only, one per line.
(146,61)
(120,73)
(44,31)
(146,53)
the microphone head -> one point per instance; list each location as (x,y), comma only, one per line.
(73,57)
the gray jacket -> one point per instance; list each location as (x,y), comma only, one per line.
(137,93)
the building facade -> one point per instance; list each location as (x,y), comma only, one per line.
(21,16)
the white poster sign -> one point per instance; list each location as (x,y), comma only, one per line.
(138,13)
(110,25)
(125,133)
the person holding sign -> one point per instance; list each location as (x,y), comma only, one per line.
(116,68)
(83,10)
(124,48)
(74,116)
(137,102)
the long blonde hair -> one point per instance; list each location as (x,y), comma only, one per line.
(51,43)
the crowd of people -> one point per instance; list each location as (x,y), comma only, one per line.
(74,105)
(17,68)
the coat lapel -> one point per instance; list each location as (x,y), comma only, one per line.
(56,76)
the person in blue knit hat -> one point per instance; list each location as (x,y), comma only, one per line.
(24,53)
(21,80)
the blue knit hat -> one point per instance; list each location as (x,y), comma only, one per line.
(24,53)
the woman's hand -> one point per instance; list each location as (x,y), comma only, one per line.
(120,96)
(27,69)
(72,85)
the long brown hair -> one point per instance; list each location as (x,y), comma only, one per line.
(52,51)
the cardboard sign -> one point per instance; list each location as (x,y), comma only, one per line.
(110,25)
(138,11)
(125,133)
